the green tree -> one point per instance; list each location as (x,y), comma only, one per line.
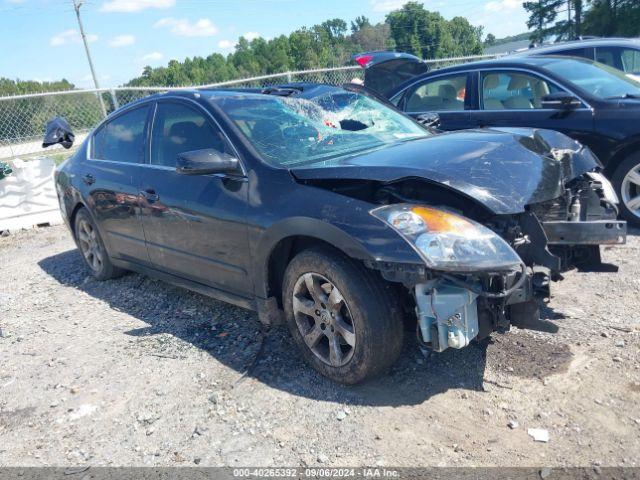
(429,35)
(490,40)
(612,18)
(359,23)
(541,14)
(466,37)
(372,37)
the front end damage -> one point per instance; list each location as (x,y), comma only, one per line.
(516,208)
(552,237)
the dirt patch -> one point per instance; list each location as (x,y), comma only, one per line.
(13,418)
(528,356)
(133,371)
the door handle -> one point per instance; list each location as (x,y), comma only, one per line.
(89,179)
(150,195)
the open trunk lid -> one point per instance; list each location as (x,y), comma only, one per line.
(384,71)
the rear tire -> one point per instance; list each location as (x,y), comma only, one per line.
(351,328)
(626,181)
(92,248)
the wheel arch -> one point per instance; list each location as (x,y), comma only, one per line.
(631,147)
(72,217)
(282,241)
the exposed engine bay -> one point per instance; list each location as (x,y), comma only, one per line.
(551,237)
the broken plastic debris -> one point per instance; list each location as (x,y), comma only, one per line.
(539,434)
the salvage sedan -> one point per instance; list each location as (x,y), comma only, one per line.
(349,220)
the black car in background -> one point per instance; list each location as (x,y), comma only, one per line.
(620,53)
(337,209)
(595,104)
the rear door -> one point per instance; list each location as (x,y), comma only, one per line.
(110,176)
(513,98)
(195,225)
(447,95)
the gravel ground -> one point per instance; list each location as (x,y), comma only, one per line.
(136,372)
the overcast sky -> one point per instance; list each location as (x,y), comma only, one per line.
(40,38)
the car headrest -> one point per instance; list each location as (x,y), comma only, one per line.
(447,91)
(518,82)
(491,81)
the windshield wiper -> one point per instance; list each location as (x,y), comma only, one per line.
(626,95)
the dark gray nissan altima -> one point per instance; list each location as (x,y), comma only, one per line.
(326,208)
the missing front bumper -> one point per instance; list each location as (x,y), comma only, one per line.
(595,232)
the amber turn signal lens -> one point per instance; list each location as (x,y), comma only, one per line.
(441,221)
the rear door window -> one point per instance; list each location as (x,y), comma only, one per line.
(438,95)
(123,138)
(609,56)
(630,58)
(622,58)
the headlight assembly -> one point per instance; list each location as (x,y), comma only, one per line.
(447,241)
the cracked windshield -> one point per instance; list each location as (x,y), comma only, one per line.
(290,131)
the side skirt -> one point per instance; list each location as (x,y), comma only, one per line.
(222,295)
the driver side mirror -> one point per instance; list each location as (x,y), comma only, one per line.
(206,162)
(58,131)
(560,101)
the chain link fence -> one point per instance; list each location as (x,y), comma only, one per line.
(23,117)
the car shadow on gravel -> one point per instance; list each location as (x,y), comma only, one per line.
(177,319)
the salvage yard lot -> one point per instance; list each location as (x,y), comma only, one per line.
(136,372)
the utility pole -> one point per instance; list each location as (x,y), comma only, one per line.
(76,6)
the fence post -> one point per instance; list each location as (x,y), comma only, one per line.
(114,99)
(288,77)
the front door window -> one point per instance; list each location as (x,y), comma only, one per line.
(514,91)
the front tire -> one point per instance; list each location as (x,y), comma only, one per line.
(626,181)
(345,320)
(92,248)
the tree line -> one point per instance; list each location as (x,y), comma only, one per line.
(570,19)
(332,43)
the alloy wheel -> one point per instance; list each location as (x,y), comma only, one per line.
(630,190)
(323,319)
(90,246)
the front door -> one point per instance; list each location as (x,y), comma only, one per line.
(110,174)
(444,95)
(195,225)
(513,98)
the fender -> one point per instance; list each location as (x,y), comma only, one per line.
(296,227)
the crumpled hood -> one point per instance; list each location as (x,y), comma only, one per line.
(504,169)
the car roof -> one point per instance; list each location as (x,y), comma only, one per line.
(584,43)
